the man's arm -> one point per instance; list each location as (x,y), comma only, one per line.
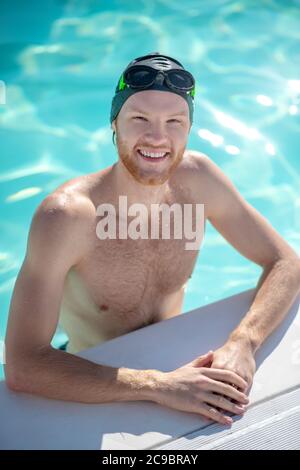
(277,289)
(253,236)
(57,241)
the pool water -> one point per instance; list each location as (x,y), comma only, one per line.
(60,61)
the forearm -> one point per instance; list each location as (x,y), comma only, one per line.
(276,292)
(63,376)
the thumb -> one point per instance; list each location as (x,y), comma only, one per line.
(203,360)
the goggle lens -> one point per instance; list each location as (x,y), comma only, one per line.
(182,80)
(139,77)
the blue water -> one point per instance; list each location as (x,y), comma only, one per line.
(60,61)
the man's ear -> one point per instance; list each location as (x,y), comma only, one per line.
(113,127)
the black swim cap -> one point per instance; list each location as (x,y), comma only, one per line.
(157,61)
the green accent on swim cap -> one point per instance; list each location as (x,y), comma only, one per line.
(122,84)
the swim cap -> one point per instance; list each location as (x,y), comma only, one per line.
(156,61)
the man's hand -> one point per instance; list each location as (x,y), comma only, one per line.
(196,387)
(236,356)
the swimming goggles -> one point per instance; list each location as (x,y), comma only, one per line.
(144,76)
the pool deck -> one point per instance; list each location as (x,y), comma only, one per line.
(272,420)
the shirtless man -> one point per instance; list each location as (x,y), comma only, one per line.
(100,289)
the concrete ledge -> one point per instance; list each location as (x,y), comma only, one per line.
(29,422)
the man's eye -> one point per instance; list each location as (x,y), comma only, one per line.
(139,117)
(173,120)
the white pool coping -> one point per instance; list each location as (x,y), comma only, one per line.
(30,422)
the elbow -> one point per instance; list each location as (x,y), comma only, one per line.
(21,370)
(293,261)
(294,264)
(15,376)
(13,379)
(12,370)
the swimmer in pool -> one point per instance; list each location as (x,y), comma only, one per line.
(99,288)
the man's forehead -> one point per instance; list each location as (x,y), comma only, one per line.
(158,100)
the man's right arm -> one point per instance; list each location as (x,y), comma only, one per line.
(60,230)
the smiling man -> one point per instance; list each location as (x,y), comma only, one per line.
(101,288)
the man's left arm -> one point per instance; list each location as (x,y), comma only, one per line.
(254,237)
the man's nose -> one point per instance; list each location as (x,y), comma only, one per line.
(157,133)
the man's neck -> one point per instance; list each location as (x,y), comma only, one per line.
(136,192)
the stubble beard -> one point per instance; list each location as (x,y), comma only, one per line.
(150,177)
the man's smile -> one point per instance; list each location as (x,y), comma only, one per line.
(153,157)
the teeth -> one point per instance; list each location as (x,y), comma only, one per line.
(152,154)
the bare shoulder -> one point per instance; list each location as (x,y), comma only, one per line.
(205,168)
(65,206)
(206,181)
(199,162)
(62,223)
(198,171)
(219,192)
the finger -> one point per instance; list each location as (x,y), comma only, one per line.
(225,389)
(201,361)
(227,376)
(222,403)
(210,412)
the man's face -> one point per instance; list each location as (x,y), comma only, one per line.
(152,121)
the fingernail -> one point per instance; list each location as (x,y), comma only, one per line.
(240,408)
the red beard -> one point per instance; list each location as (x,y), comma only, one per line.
(148,175)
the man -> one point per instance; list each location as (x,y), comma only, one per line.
(100,288)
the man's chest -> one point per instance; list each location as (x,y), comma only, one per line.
(128,273)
